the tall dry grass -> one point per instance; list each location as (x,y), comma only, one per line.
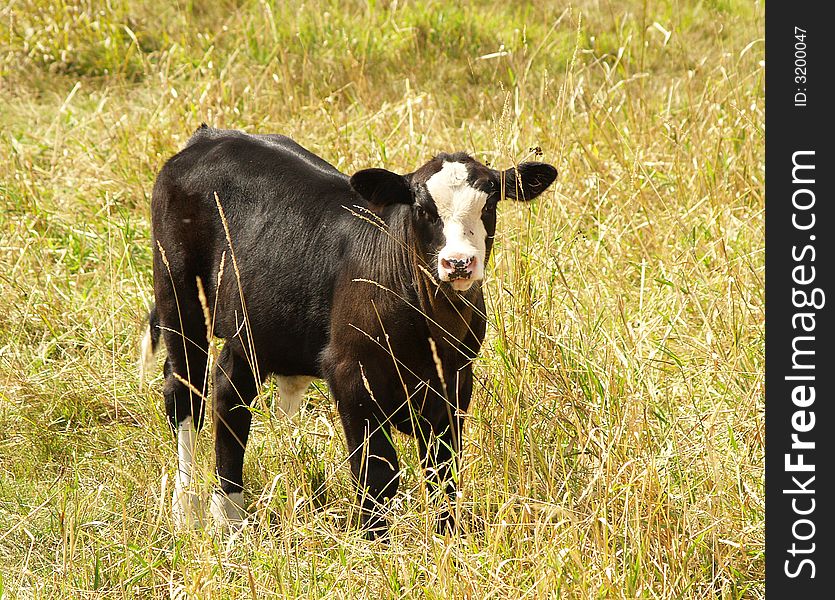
(615,444)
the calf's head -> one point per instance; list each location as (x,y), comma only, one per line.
(453,201)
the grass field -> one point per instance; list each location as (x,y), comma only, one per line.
(615,444)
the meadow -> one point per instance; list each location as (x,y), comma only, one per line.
(615,446)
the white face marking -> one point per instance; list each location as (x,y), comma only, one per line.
(459,207)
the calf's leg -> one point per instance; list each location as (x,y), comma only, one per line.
(184,392)
(235,386)
(439,445)
(372,457)
(439,451)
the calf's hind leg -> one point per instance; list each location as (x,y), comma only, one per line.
(235,387)
(184,391)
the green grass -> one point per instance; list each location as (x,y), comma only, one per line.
(615,444)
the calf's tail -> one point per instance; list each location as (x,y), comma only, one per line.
(149,345)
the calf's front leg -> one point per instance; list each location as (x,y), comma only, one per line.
(439,445)
(373,461)
(439,449)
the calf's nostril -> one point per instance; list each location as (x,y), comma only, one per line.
(458,268)
(456,263)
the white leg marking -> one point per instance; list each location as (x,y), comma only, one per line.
(291,392)
(185,503)
(146,356)
(228,510)
(186,437)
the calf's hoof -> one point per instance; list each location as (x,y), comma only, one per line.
(445,523)
(228,511)
(375,528)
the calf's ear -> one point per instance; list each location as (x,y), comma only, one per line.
(381,188)
(528,180)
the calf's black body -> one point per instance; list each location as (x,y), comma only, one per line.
(325,276)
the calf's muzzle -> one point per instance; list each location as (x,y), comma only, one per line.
(458,268)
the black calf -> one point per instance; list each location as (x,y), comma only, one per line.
(371,282)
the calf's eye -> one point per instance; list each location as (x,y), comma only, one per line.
(425,214)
